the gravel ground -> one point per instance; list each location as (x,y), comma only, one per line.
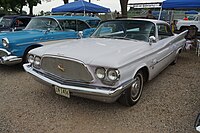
(169,104)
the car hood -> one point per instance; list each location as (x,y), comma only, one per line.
(97,52)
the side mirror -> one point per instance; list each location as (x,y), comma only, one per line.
(80,34)
(197,123)
(152,39)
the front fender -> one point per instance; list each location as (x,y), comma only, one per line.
(19,50)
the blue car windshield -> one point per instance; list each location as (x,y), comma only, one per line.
(5,22)
(126,29)
(43,24)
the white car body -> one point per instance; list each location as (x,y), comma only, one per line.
(127,57)
(184,24)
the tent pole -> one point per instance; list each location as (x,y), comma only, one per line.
(160,13)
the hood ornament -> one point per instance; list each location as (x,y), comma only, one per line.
(61,68)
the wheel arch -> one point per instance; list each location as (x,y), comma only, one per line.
(145,72)
(30,47)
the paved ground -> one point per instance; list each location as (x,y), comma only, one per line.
(169,104)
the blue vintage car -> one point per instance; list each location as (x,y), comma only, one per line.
(14,46)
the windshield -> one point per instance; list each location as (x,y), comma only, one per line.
(193,17)
(43,24)
(126,29)
(5,22)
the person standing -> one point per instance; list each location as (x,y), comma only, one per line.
(185,18)
(149,15)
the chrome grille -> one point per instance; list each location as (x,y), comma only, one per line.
(66,69)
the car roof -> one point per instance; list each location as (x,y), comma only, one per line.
(17,16)
(83,18)
(142,19)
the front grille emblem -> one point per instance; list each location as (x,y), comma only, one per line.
(61,68)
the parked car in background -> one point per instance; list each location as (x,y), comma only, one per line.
(13,22)
(185,24)
(112,64)
(15,45)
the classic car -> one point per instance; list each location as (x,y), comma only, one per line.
(14,46)
(112,64)
(13,22)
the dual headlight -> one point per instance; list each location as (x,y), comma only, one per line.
(34,60)
(107,75)
(5,42)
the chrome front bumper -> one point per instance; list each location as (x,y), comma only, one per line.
(104,94)
(7,59)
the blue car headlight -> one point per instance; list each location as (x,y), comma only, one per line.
(5,42)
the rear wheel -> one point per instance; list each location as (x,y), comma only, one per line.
(132,95)
(176,59)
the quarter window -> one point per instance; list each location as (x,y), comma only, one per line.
(163,31)
(82,25)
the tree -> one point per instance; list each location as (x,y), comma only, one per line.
(66,1)
(16,5)
(32,3)
(124,4)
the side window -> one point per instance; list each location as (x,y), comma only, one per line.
(21,22)
(163,31)
(82,25)
(72,25)
(68,25)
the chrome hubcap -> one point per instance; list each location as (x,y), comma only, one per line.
(135,88)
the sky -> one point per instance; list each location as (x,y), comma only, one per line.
(112,4)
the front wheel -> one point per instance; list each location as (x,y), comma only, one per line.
(132,94)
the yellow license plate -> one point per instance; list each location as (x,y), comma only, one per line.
(62,91)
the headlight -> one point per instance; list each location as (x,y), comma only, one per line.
(37,61)
(113,74)
(5,42)
(31,59)
(100,73)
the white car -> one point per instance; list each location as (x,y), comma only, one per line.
(112,64)
(182,25)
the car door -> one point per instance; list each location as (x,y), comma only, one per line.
(66,31)
(162,54)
